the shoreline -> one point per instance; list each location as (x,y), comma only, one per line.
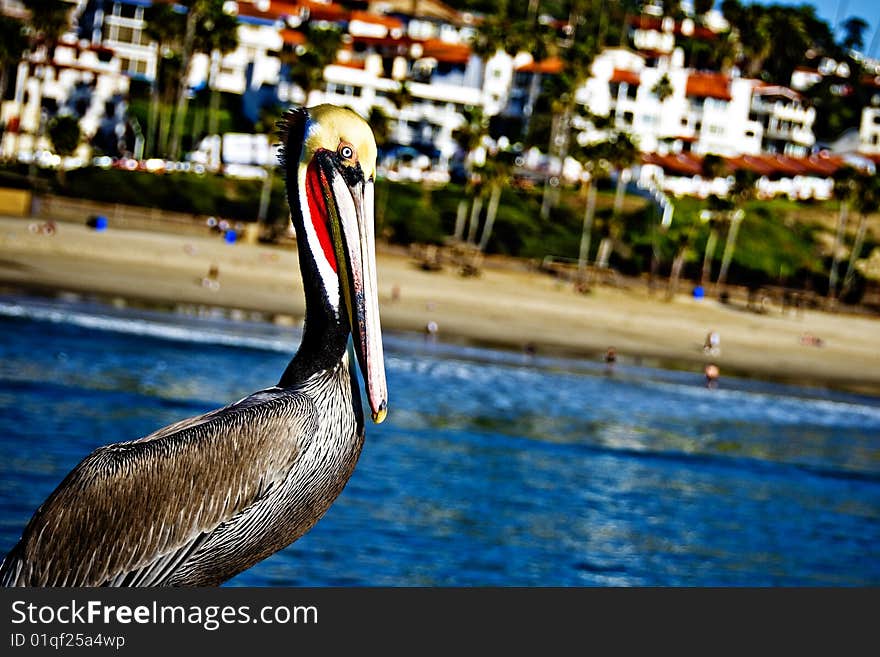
(504,308)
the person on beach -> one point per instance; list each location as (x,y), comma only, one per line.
(712,345)
(610,359)
(712,373)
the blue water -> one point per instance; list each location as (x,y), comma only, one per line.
(491,469)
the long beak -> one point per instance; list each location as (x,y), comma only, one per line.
(356,255)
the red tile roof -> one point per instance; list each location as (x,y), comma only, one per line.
(325,11)
(766,164)
(655,23)
(275,11)
(454,53)
(708,85)
(377,19)
(622,75)
(293,37)
(550,66)
(682,164)
(871,80)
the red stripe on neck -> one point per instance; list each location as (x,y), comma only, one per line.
(315,186)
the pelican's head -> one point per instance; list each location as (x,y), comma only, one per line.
(334,171)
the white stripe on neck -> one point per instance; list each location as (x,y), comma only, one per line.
(329,277)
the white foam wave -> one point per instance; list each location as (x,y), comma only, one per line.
(147,327)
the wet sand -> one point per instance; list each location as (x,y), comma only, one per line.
(508,307)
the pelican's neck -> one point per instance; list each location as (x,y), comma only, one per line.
(325,332)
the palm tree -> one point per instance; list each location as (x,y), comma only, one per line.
(65,134)
(49,20)
(846,192)
(663,88)
(867,202)
(621,155)
(577,52)
(216,36)
(165,27)
(308,61)
(498,169)
(742,191)
(469,135)
(593,158)
(681,235)
(205,27)
(194,12)
(711,167)
(13,44)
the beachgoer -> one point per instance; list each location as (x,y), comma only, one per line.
(712,345)
(211,281)
(712,373)
(610,358)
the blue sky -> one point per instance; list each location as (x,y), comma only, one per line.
(834,11)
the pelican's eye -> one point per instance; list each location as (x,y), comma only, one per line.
(346,152)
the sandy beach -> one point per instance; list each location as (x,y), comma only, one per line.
(510,307)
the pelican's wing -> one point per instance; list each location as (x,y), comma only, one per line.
(130,512)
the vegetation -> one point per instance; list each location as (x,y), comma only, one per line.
(779,242)
(182,30)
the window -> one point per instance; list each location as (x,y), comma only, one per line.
(124,34)
(628,118)
(127,11)
(631,91)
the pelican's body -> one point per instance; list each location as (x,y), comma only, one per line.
(198,502)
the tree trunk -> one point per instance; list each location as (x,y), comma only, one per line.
(589,213)
(475,218)
(460,218)
(165,117)
(4,80)
(729,247)
(152,136)
(675,272)
(214,101)
(491,212)
(622,179)
(546,200)
(854,254)
(711,241)
(558,149)
(842,217)
(265,195)
(192,17)
(603,255)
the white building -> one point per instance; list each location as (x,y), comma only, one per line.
(703,112)
(869,131)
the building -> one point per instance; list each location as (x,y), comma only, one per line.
(414,62)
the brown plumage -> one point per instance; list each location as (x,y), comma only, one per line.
(199,501)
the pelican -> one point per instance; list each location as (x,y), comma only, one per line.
(201,500)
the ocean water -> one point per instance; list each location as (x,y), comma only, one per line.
(492,469)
